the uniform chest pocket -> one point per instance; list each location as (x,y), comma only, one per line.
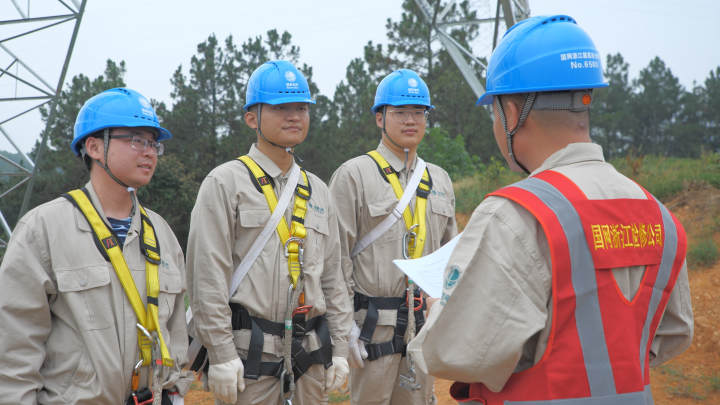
(171,288)
(317,229)
(85,296)
(442,206)
(254,218)
(378,211)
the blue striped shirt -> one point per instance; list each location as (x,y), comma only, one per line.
(120,227)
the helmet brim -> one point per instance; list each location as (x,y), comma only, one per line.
(283,100)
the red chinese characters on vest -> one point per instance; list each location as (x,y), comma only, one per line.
(598,347)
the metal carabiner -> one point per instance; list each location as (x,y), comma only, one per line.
(301,249)
(409,237)
(287,396)
(408,380)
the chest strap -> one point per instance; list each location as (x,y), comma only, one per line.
(414,223)
(373,304)
(301,359)
(292,239)
(107,243)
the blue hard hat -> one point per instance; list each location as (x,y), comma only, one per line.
(547,53)
(277,82)
(115,108)
(402,87)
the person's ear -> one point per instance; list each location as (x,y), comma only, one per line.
(379,119)
(95,148)
(251,119)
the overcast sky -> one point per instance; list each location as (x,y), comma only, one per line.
(155,37)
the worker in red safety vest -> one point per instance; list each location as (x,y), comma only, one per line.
(568,285)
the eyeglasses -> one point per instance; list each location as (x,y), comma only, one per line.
(416,114)
(141,144)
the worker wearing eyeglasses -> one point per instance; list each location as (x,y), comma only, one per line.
(374,230)
(92,282)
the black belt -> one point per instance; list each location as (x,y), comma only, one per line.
(301,359)
(373,304)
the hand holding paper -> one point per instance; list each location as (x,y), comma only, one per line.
(427,271)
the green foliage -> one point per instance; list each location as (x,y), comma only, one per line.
(703,253)
(450,154)
(469,192)
(667,176)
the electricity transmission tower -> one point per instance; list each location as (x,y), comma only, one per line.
(492,22)
(36,43)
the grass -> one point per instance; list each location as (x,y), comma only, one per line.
(703,253)
(665,177)
(689,386)
(714,382)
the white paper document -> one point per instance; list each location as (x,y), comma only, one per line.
(427,271)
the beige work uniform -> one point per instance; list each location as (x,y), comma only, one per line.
(496,319)
(228,216)
(68,329)
(364,198)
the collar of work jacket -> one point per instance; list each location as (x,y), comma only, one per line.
(573,153)
(83,224)
(266,163)
(397,164)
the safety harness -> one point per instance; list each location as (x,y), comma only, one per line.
(295,326)
(107,243)
(413,244)
(293,239)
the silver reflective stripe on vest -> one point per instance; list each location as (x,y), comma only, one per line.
(643,397)
(587,312)
(587,308)
(663,277)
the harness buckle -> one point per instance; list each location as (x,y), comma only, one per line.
(301,249)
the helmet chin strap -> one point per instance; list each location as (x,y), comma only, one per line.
(524,112)
(130,189)
(385,133)
(289,149)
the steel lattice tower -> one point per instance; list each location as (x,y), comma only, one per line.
(492,23)
(47,28)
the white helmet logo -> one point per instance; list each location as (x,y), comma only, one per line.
(412,82)
(146,107)
(143,102)
(290,76)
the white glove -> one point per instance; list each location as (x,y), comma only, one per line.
(176,399)
(226,379)
(357,348)
(336,375)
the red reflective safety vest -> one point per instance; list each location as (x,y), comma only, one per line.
(598,347)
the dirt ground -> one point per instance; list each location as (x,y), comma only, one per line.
(691,378)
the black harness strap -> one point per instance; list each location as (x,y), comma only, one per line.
(301,359)
(373,304)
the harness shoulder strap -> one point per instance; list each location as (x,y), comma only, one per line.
(421,182)
(109,247)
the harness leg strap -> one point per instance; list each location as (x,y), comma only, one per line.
(370,322)
(257,340)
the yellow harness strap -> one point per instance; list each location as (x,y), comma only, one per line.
(293,239)
(416,243)
(109,247)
